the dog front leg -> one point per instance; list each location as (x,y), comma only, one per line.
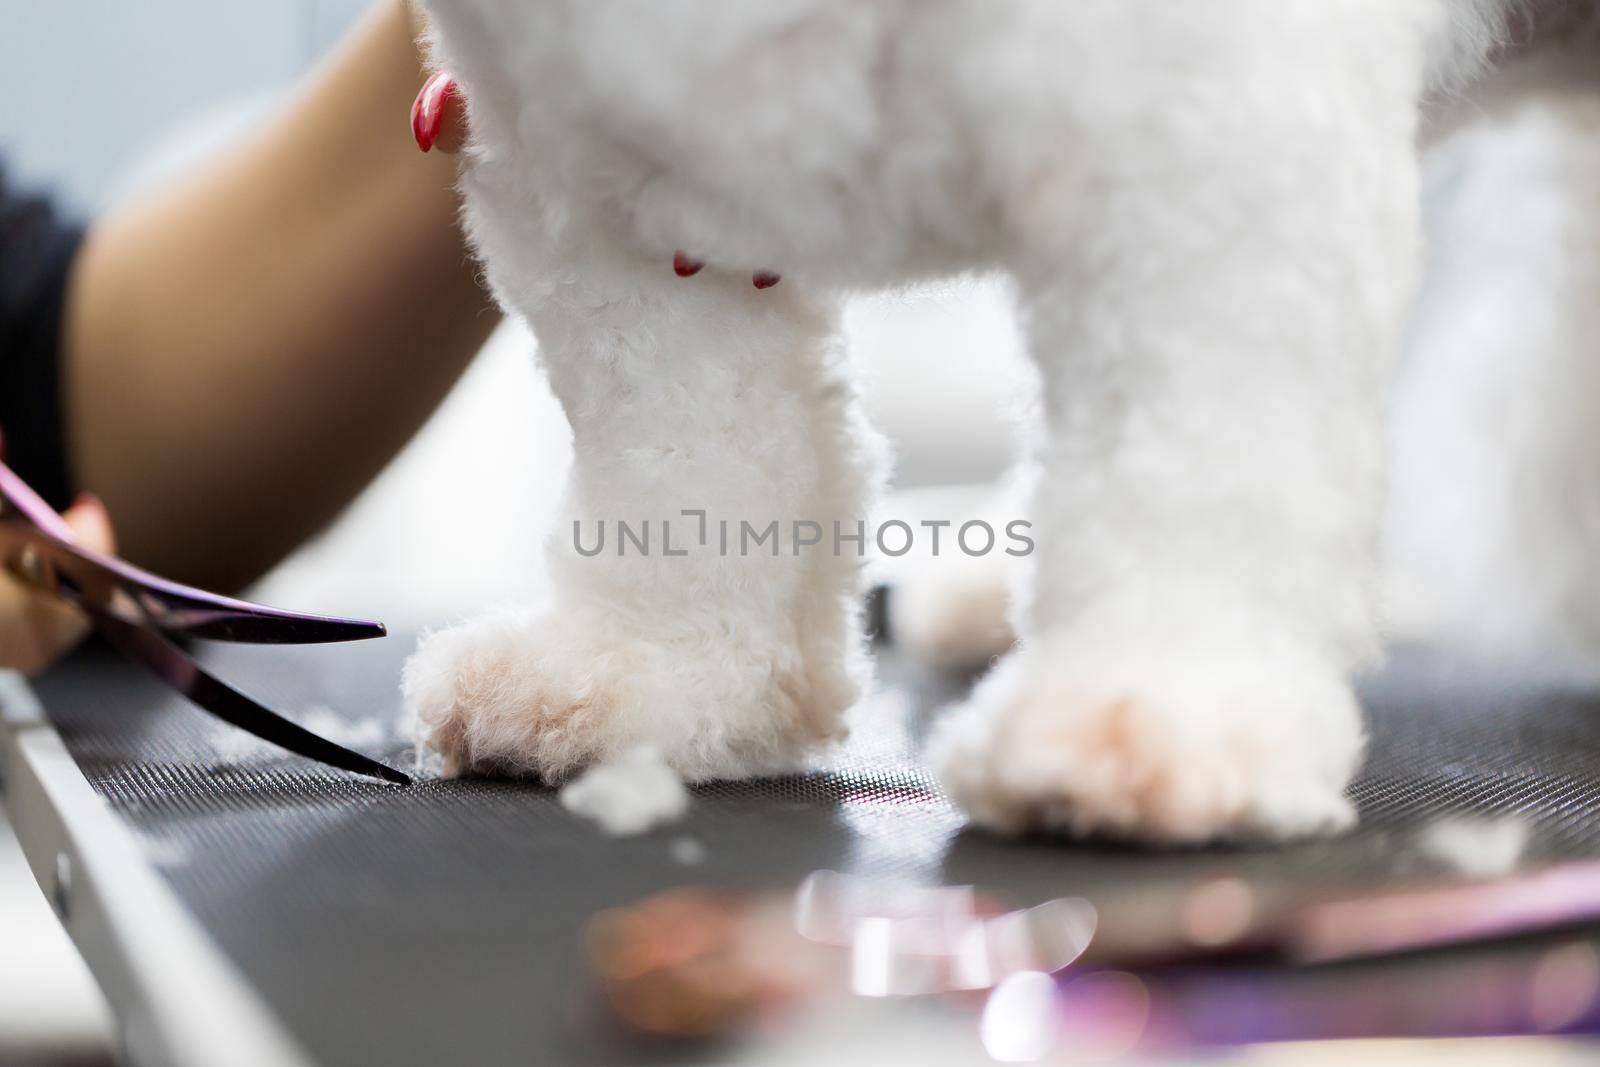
(697,603)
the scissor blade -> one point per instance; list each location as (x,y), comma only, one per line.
(137,596)
(255,624)
(178,669)
(140,598)
(184,611)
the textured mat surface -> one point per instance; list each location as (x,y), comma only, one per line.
(440,923)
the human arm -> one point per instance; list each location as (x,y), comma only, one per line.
(246,349)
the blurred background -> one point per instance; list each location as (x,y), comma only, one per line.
(105,98)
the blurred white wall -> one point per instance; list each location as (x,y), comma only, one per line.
(87,83)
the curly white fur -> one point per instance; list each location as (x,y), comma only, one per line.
(1210,211)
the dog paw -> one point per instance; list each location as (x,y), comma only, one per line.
(546,694)
(953,614)
(1178,749)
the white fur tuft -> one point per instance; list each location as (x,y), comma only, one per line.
(629,795)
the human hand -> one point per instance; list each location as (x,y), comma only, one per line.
(37,629)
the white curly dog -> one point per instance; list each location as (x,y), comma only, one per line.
(1211,215)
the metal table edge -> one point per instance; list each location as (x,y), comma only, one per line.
(178,1001)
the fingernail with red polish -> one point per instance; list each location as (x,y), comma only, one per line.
(88,500)
(764,279)
(429,110)
(685,267)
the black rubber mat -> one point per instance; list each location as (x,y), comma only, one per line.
(439,924)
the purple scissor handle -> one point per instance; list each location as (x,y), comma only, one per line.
(138,612)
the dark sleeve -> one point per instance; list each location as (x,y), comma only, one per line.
(36,251)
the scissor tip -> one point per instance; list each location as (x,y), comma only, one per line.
(392,776)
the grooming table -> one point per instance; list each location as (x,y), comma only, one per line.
(241,906)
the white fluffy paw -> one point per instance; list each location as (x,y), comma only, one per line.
(953,614)
(546,694)
(1157,749)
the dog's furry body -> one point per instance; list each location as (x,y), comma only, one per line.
(1211,213)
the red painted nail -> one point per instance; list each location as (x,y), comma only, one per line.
(685,267)
(765,279)
(431,108)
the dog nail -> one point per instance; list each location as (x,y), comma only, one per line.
(431,108)
(764,279)
(685,267)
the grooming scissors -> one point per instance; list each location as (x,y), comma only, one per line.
(140,614)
